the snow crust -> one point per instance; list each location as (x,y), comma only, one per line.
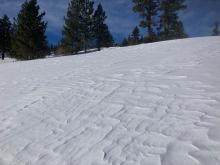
(152,104)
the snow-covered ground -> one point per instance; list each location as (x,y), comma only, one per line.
(155,104)
(6,60)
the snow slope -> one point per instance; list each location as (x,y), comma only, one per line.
(155,104)
(6,60)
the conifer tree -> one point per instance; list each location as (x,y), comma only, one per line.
(72,38)
(216,31)
(5,35)
(107,39)
(99,26)
(30,40)
(14,29)
(135,36)
(78,28)
(148,10)
(170,25)
(86,22)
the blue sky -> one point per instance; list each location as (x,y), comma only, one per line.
(198,18)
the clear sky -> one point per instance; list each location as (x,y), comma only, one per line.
(198,18)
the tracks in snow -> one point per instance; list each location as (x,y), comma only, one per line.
(112,115)
(127,118)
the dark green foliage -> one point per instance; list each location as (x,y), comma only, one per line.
(5,35)
(133,39)
(216,31)
(99,19)
(83,27)
(135,36)
(102,34)
(72,38)
(148,10)
(29,32)
(86,22)
(170,25)
(107,40)
(78,28)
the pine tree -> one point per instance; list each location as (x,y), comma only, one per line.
(30,40)
(99,26)
(135,36)
(148,10)
(78,28)
(170,25)
(133,39)
(216,31)
(72,38)
(14,30)
(5,35)
(107,39)
(86,22)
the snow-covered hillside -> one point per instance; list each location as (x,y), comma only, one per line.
(6,60)
(154,104)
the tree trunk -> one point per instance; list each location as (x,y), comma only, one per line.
(85,46)
(3,55)
(98,44)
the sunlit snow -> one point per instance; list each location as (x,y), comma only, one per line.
(151,104)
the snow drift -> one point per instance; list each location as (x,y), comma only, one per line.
(154,104)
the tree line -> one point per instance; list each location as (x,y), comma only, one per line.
(25,38)
(160,18)
(85,28)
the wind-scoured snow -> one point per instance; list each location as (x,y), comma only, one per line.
(152,104)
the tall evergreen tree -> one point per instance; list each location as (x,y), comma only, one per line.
(107,38)
(5,35)
(30,40)
(216,31)
(86,22)
(170,25)
(78,26)
(148,10)
(135,36)
(72,38)
(100,26)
